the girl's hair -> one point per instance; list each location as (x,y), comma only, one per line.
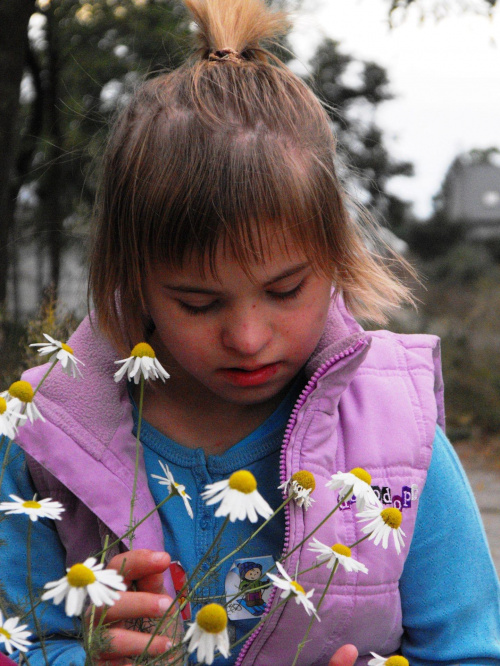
(229,148)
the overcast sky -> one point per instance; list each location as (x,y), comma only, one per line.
(445,75)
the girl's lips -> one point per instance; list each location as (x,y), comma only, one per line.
(241,377)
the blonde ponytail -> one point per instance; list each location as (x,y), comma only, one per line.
(235,26)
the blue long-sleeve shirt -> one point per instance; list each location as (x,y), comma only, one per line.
(449,589)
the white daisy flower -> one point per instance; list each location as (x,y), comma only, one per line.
(208,633)
(300,486)
(291,587)
(173,487)
(142,361)
(13,636)
(336,553)
(356,482)
(396,660)
(382,523)
(45,508)
(61,352)
(19,398)
(82,579)
(240,497)
(9,420)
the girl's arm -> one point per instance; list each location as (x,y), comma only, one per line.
(449,588)
(48,563)
(62,645)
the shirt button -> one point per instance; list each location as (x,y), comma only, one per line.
(204,523)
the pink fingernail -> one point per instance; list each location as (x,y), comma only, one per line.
(164,604)
(158,556)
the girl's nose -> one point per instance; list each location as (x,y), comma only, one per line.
(246,331)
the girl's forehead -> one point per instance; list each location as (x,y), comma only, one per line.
(274,262)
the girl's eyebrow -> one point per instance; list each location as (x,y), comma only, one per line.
(189,289)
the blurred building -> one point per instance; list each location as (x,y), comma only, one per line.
(471,197)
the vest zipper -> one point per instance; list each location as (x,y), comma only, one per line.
(306,392)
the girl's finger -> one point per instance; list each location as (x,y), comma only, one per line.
(126,644)
(138,564)
(345,656)
(152,583)
(133,605)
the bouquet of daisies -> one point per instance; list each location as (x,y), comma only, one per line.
(88,585)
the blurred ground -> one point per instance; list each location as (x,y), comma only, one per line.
(482,465)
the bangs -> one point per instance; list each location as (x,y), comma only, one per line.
(244,191)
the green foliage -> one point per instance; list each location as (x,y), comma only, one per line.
(442,8)
(17,354)
(351,91)
(462,305)
(85,58)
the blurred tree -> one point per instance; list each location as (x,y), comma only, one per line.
(82,61)
(352,91)
(14,17)
(442,8)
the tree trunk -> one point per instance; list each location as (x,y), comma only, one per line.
(52,184)
(14,17)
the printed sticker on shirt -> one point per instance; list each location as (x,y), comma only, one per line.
(248,587)
(179,579)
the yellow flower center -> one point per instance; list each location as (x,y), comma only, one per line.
(80,576)
(5,633)
(31,504)
(212,618)
(3,405)
(397,661)
(305,479)
(143,349)
(21,390)
(244,481)
(297,587)
(392,517)
(361,474)
(66,348)
(341,549)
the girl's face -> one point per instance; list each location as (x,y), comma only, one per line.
(232,338)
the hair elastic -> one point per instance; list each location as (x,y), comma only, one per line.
(225,54)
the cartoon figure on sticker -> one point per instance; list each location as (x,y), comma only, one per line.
(247,587)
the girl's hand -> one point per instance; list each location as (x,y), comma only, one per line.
(345,656)
(145,598)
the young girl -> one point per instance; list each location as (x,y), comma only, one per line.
(223,239)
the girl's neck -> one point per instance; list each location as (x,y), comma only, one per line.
(197,422)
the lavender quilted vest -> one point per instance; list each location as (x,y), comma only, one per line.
(372,401)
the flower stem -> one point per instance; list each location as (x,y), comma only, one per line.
(174,616)
(341,501)
(29,583)
(5,459)
(136,469)
(35,391)
(261,621)
(132,529)
(254,534)
(304,640)
(360,540)
(92,612)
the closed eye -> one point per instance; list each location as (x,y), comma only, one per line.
(286,295)
(197,309)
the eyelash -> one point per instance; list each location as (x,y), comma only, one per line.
(283,296)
